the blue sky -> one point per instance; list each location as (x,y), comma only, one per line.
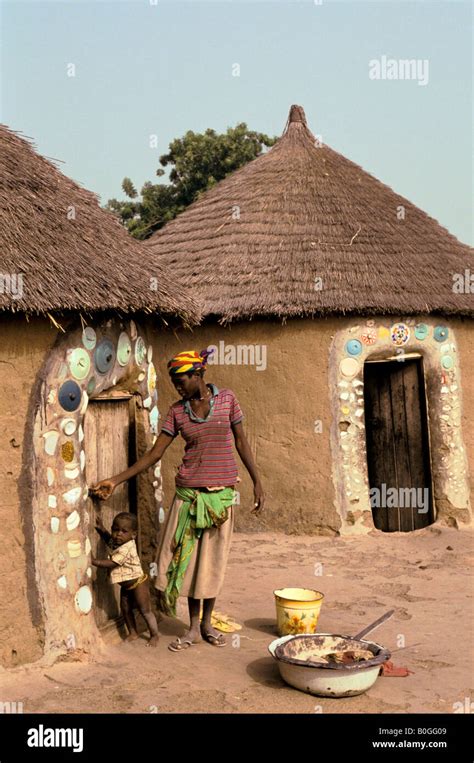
(160,69)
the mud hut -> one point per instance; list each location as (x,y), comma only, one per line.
(78,398)
(342,316)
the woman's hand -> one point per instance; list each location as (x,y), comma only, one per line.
(259,499)
(103,490)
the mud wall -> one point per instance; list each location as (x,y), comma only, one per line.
(464,329)
(28,350)
(23,349)
(287,413)
(287,417)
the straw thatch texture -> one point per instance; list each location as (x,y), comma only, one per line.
(255,243)
(72,254)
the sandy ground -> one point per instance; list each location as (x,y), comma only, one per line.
(426,576)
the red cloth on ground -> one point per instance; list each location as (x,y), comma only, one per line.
(389,669)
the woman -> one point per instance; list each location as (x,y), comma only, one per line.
(196,536)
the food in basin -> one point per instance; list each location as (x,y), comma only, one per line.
(327,664)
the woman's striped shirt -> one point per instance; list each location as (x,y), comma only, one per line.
(208,459)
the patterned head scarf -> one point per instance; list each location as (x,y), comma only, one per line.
(188,361)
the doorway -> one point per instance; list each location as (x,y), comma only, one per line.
(398,447)
(110,444)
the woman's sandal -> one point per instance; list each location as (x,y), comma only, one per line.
(214,640)
(179,645)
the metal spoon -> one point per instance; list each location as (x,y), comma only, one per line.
(374,625)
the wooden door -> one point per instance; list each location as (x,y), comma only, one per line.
(109,439)
(398,443)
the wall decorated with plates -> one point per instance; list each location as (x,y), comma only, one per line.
(84,364)
(377,339)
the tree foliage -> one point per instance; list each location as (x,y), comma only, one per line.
(197,161)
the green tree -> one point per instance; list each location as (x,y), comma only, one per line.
(198,161)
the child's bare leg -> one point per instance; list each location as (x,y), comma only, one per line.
(142,600)
(127,612)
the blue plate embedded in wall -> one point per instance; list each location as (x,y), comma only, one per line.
(353,347)
(104,356)
(124,349)
(89,338)
(79,362)
(447,361)
(440,333)
(421,331)
(69,395)
(140,351)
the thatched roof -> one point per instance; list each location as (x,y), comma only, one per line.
(254,244)
(71,253)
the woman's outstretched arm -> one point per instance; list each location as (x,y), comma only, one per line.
(105,488)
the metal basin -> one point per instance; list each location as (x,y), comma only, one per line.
(294,655)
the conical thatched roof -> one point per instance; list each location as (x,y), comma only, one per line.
(255,243)
(71,253)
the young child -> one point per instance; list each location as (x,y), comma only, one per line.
(126,570)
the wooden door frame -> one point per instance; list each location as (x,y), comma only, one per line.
(416,358)
(111,396)
(449,473)
(59,482)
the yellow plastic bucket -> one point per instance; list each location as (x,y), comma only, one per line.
(297,610)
